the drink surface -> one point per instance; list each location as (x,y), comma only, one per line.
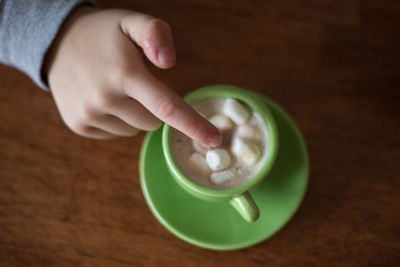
(253,131)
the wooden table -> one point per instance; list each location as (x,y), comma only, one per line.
(333,65)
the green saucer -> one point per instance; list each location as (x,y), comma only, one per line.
(217,225)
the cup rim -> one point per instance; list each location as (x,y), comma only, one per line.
(226,91)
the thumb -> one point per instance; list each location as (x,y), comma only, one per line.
(153,36)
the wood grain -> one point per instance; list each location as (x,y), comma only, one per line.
(333,65)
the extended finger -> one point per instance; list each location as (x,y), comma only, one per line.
(170,108)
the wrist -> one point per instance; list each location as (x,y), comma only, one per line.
(72,19)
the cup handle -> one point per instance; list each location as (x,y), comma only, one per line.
(246,207)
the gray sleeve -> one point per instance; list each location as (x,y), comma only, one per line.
(28,28)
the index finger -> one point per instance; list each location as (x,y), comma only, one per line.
(170,108)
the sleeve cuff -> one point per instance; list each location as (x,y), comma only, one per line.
(31,27)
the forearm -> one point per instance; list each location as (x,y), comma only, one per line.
(27,30)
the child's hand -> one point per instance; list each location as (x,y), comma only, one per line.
(101,85)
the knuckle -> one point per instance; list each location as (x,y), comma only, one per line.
(78,127)
(104,101)
(119,76)
(154,126)
(166,107)
(88,114)
(131,132)
(193,129)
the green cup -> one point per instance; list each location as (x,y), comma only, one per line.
(239,195)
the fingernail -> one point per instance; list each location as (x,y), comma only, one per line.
(215,140)
(165,55)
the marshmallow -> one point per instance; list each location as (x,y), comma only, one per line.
(249,132)
(237,145)
(198,162)
(199,147)
(218,159)
(222,177)
(246,152)
(236,111)
(222,122)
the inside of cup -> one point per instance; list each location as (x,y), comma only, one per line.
(190,156)
(261,116)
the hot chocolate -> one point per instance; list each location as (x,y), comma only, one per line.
(237,159)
